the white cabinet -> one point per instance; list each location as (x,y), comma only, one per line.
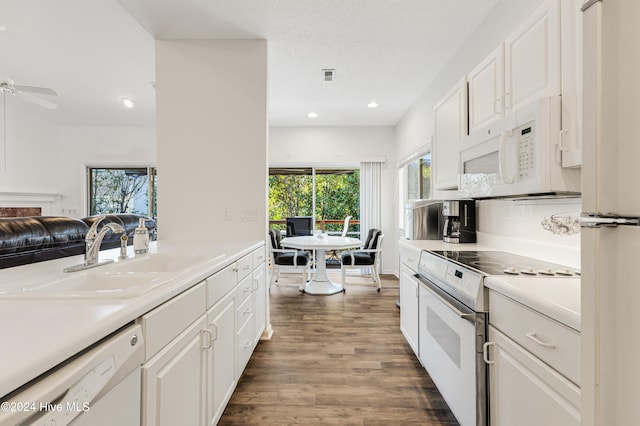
(221,372)
(259,301)
(409,307)
(526,67)
(199,342)
(532,58)
(236,318)
(450,125)
(525,391)
(174,381)
(486,90)
(534,367)
(244,324)
(572,83)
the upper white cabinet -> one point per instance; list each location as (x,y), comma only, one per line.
(572,84)
(486,90)
(532,58)
(526,67)
(450,125)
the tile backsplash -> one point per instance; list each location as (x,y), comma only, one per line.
(545,220)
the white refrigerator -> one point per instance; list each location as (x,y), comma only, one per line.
(611,193)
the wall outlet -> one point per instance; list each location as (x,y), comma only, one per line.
(226,213)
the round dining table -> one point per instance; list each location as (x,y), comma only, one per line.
(320,284)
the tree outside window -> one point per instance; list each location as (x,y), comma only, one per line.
(122,190)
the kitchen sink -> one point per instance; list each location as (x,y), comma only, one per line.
(123,279)
(153,263)
(90,285)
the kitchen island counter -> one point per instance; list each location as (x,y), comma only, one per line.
(40,333)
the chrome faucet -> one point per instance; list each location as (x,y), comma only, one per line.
(93,240)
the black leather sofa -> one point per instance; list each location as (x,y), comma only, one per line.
(25,240)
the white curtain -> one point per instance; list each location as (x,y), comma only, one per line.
(370,198)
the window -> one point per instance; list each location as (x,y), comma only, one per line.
(328,195)
(122,190)
(414,181)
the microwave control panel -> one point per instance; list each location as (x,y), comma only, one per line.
(526,151)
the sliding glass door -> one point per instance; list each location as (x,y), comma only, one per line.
(327,195)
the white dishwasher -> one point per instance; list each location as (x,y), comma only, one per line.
(100,386)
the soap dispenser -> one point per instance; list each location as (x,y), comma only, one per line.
(141,239)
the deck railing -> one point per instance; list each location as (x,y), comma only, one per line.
(330,226)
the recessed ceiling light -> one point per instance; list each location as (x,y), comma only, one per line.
(127,102)
(312,115)
(372,105)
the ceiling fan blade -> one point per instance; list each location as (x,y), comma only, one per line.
(38,101)
(34,89)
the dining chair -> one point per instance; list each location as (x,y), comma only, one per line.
(334,256)
(286,259)
(369,256)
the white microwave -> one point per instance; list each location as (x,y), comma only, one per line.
(517,155)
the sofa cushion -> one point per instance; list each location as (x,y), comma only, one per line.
(22,234)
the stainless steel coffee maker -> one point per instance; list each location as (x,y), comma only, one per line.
(459,221)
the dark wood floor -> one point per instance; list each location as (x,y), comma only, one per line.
(337,359)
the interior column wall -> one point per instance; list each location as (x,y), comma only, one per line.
(211,139)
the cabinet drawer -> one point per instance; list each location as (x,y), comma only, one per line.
(258,257)
(244,312)
(221,283)
(409,257)
(244,289)
(552,342)
(245,265)
(164,323)
(245,346)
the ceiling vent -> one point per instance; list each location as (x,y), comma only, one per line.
(328,74)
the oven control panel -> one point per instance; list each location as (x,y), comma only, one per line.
(462,283)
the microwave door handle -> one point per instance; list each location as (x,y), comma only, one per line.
(502,152)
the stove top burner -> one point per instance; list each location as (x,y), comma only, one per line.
(503,263)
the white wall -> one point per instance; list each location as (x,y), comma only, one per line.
(31,154)
(43,158)
(212,139)
(348,146)
(98,146)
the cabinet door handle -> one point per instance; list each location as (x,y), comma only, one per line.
(531,335)
(214,332)
(210,340)
(247,310)
(235,269)
(507,101)
(247,343)
(497,109)
(485,352)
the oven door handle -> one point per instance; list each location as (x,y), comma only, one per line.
(470,315)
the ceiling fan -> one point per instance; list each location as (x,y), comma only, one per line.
(25,92)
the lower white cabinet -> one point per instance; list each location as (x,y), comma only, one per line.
(221,358)
(409,307)
(525,391)
(201,341)
(534,367)
(174,380)
(259,301)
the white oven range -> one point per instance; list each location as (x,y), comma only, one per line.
(453,316)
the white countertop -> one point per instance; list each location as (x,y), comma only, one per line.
(556,297)
(38,334)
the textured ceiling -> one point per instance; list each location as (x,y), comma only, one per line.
(93,52)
